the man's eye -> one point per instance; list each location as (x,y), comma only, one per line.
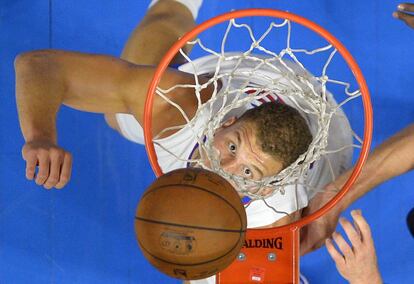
(232,148)
(247,172)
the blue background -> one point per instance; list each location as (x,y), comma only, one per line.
(84,233)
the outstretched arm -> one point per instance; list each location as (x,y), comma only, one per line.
(392,158)
(95,83)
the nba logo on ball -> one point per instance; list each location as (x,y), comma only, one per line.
(190,223)
(179,243)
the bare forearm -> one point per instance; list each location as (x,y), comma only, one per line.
(46,79)
(39,94)
(392,158)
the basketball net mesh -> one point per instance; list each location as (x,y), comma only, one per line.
(307,93)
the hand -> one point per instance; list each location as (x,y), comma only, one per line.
(313,235)
(403,13)
(54,164)
(357,264)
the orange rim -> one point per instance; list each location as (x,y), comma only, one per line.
(293,18)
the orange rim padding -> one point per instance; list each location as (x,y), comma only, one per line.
(237,272)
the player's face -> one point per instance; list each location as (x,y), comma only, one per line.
(240,154)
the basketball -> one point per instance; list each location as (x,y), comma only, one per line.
(190,223)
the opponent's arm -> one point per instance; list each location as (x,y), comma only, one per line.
(94,83)
(392,158)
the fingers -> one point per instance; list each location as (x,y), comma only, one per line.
(407,18)
(403,14)
(44,165)
(60,170)
(362,225)
(66,171)
(407,7)
(56,160)
(342,245)
(31,163)
(359,235)
(336,256)
(54,164)
(351,232)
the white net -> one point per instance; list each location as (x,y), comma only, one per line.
(242,80)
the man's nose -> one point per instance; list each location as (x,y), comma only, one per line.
(228,163)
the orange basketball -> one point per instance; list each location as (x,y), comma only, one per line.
(190,223)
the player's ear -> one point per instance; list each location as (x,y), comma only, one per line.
(229,121)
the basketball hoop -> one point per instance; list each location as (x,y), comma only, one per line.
(254,260)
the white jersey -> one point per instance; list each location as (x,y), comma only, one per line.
(183,144)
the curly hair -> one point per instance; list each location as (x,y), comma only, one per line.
(282,131)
